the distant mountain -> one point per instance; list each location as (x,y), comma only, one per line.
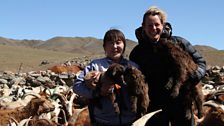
(211,55)
(205,48)
(83,46)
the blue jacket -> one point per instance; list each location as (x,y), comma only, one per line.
(106,114)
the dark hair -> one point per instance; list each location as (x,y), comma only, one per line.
(114,35)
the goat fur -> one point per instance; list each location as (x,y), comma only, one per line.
(214,116)
(182,67)
(35,107)
(137,89)
(135,81)
(108,79)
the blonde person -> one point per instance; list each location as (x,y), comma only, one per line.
(154,27)
(114,44)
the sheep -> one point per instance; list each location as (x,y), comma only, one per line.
(137,89)
(182,67)
(35,107)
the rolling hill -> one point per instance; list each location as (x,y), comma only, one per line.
(30,53)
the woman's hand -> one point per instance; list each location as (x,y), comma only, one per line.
(91,79)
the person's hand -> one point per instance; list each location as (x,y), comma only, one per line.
(91,79)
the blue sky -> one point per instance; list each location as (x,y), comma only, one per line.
(199,21)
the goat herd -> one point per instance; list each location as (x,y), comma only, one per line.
(46,98)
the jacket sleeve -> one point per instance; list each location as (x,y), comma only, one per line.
(198,59)
(79,86)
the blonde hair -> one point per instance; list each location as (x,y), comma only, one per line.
(153,10)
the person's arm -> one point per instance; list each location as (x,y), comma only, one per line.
(198,59)
(80,87)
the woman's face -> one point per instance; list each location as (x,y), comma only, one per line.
(153,27)
(114,50)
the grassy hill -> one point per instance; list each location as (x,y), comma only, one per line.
(30,53)
(30,58)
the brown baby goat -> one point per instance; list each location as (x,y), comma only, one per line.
(182,67)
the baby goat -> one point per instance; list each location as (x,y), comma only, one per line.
(136,86)
(137,89)
(113,79)
(116,77)
(182,67)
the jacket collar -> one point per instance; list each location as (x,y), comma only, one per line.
(123,61)
(142,38)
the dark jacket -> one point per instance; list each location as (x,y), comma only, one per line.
(156,68)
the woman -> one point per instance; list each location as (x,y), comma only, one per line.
(114,44)
(156,69)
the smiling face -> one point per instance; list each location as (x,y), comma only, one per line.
(114,44)
(153,27)
(114,49)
